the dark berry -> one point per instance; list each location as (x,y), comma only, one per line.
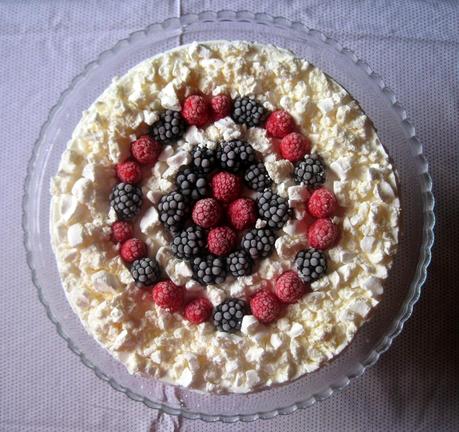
(248,111)
(145,271)
(189,243)
(191,184)
(126,200)
(173,209)
(256,177)
(229,314)
(273,209)
(258,242)
(311,264)
(170,127)
(209,270)
(235,155)
(239,263)
(203,159)
(310,171)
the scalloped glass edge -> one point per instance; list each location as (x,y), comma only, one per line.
(425,181)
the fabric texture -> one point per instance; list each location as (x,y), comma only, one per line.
(413,45)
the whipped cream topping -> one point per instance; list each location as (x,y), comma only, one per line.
(123,318)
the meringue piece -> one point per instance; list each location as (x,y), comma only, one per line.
(168,97)
(81,190)
(105,282)
(296,330)
(75,235)
(149,221)
(297,195)
(250,325)
(341,167)
(67,208)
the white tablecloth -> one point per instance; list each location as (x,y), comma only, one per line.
(414,45)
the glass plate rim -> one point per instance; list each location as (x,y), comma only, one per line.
(424,178)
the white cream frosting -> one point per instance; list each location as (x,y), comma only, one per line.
(123,318)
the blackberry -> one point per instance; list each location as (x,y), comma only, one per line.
(189,243)
(126,200)
(258,242)
(234,155)
(170,127)
(202,159)
(173,209)
(145,271)
(273,209)
(311,264)
(209,270)
(310,171)
(257,178)
(248,111)
(191,184)
(239,263)
(228,315)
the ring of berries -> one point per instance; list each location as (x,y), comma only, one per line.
(211,215)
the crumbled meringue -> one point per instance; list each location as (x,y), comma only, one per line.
(152,341)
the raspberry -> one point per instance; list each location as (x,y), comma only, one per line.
(279,124)
(294,146)
(198,310)
(207,213)
(242,213)
(221,240)
(133,249)
(168,296)
(195,110)
(221,106)
(322,234)
(146,150)
(265,306)
(129,172)
(226,187)
(121,231)
(322,203)
(289,287)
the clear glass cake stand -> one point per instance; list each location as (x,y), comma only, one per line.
(397,134)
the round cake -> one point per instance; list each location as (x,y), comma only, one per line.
(224,217)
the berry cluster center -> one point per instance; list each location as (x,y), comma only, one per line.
(224,215)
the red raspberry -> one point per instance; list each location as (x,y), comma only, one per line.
(322,234)
(221,240)
(195,110)
(242,213)
(121,231)
(168,296)
(294,146)
(279,124)
(133,249)
(146,150)
(226,187)
(207,212)
(265,306)
(289,287)
(198,310)
(221,106)
(129,172)
(322,203)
